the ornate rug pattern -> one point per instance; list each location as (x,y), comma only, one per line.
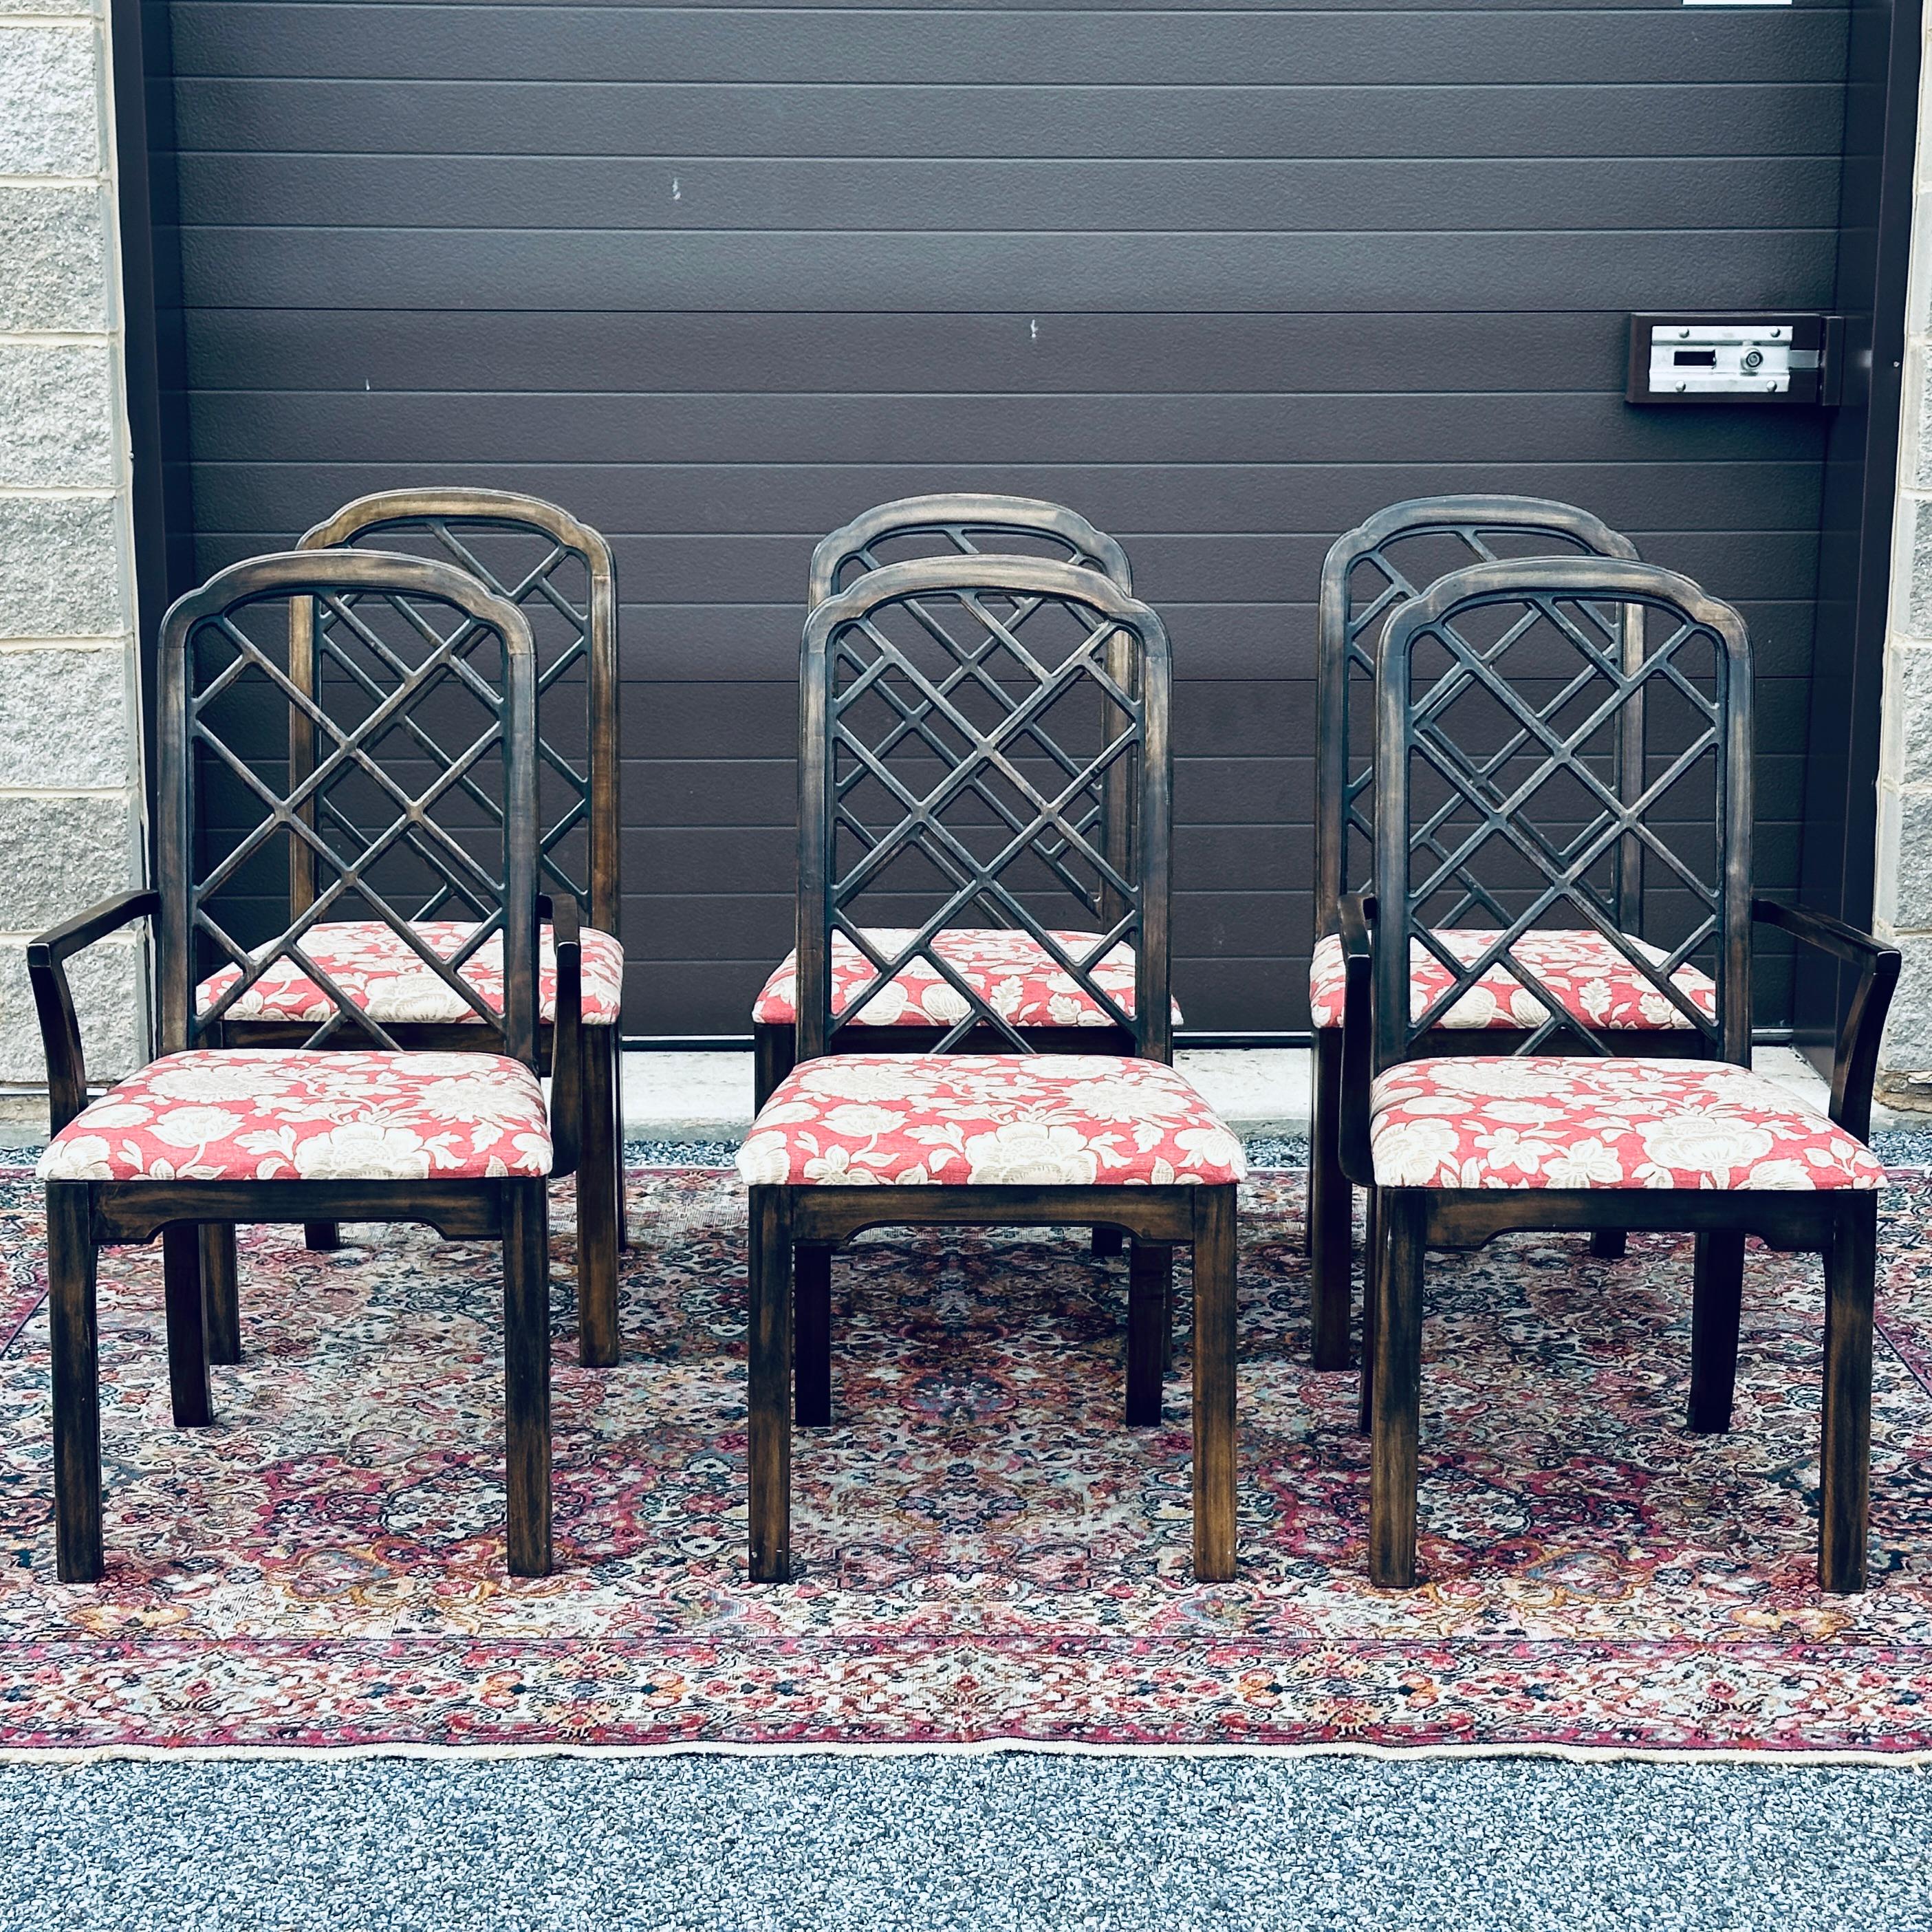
(985,1552)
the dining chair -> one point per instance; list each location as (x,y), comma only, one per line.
(559,572)
(205,1135)
(1367,572)
(1502,709)
(1040,690)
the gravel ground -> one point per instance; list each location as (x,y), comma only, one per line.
(1008,1842)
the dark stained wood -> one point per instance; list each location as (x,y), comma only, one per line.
(1841,1227)
(1148,1317)
(196,1219)
(1330,1209)
(812,1335)
(768,1343)
(1108,1241)
(1845,1449)
(1398,1391)
(75,1335)
(453,519)
(1119,652)
(1372,1264)
(187,1335)
(321,1237)
(599,1201)
(1216,1326)
(221,1289)
(1715,1310)
(53,999)
(1608,1244)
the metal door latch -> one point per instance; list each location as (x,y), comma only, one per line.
(1790,357)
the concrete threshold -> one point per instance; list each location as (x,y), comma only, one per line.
(1257,1091)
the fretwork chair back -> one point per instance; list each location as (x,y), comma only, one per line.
(1367,572)
(1459,1149)
(559,572)
(1042,1003)
(984,814)
(344,1125)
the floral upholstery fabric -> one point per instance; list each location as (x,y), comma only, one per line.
(274,1116)
(1010,971)
(1583,969)
(374,965)
(987,1121)
(1538,1122)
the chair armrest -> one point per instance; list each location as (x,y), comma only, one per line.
(566,1055)
(1854,1056)
(53,1000)
(1354,917)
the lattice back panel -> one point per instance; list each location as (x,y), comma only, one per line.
(1504,722)
(966,723)
(1397,553)
(417,787)
(559,574)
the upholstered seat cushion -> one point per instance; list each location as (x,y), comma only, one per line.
(1538,1122)
(299,1116)
(375,965)
(1010,971)
(985,1120)
(1582,969)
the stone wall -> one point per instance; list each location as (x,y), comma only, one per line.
(70,829)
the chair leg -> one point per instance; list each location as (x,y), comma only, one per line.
(187,1329)
(1149,1330)
(599,1205)
(1609,1244)
(1845,1452)
(76,1382)
(1716,1306)
(1331,1203)
(811,1335)
(527,1375)
(1398,1393)
(321,1238)
(617,1140)
(1215,1326)
(1108,1240)
(774,1054)
(221,1291)
(1371,1275)
(768,1404)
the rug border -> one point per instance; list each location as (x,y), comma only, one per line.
(61,1756)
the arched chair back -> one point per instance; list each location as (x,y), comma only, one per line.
(372,815)
(1507,708)
(956,772)
(1368,571)
(559,572)
(963,524)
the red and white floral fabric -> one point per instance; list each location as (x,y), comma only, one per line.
(927,1120)
(375,966)
(1548,1122)
(273,1116)
(1594,981)
(1010,971)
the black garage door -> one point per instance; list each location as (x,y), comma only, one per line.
(1225,279)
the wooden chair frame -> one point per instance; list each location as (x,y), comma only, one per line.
(1379,1032)
(1344,818)
(586,1099)
(794,1229)
(195,1218)
(838,562)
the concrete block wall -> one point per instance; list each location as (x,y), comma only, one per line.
(70,825)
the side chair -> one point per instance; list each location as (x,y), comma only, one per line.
(559,572)
(993,805)
(1499,707)
(205,1135)
(1367,572)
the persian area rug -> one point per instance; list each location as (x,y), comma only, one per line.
(986,1555)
